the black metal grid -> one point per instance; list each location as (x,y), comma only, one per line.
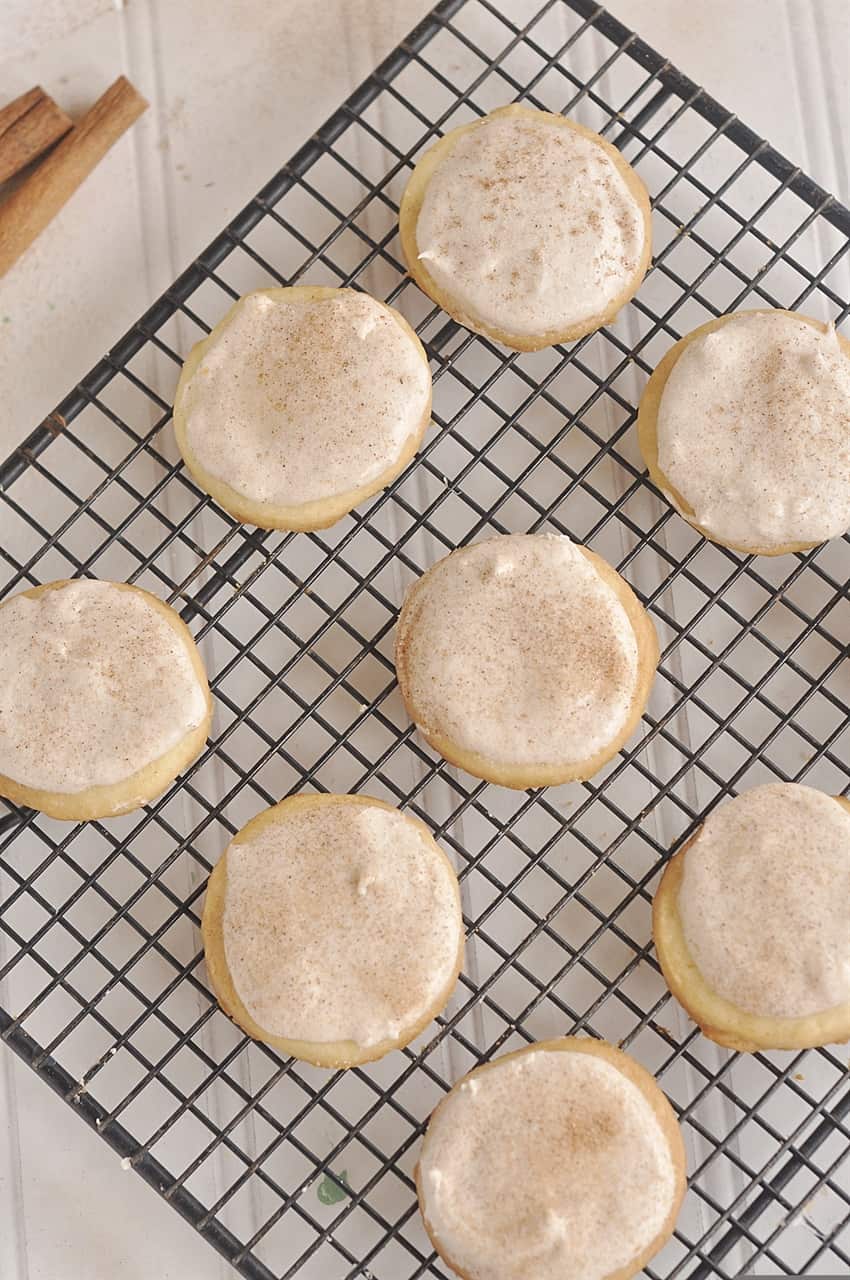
(286,1169)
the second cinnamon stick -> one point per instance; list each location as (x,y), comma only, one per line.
(28,126)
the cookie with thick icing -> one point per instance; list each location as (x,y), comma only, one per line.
(745,428)
(525,659)
(526,227)
(332,929)
(302,403)
(103,698)
(562,1161)
(752,920)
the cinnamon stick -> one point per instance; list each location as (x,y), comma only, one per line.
(36,201)
(28,126)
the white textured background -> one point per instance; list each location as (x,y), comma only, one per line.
(235,86)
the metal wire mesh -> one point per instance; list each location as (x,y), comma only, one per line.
(284,1168)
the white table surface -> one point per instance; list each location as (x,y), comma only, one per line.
(211,138)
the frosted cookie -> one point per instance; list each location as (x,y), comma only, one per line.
(332,929)
(752,920)
(562,1161)
(745,427)
(300,404)
(103,698)
(526,227)
(526,659)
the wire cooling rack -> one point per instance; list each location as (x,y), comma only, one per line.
(288,1170)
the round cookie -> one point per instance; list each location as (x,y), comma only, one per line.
(525,659)
(103,698)
(332,929)
(526,227)
(744,427)
(752,920)
(301,403)
(562,1161)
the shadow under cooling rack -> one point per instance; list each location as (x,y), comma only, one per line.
(285,1169)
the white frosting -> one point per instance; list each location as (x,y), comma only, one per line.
(754,432)
(516,648)
(764,901)
(341,922)
(550,1165)
(94,685)
(294,402)
(529,225)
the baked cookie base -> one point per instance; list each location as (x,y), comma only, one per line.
(147,783)
(305,516)
(647,426)
(333,1054)
(411,207)
(520,777)
(719,1019)
(662,1111)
